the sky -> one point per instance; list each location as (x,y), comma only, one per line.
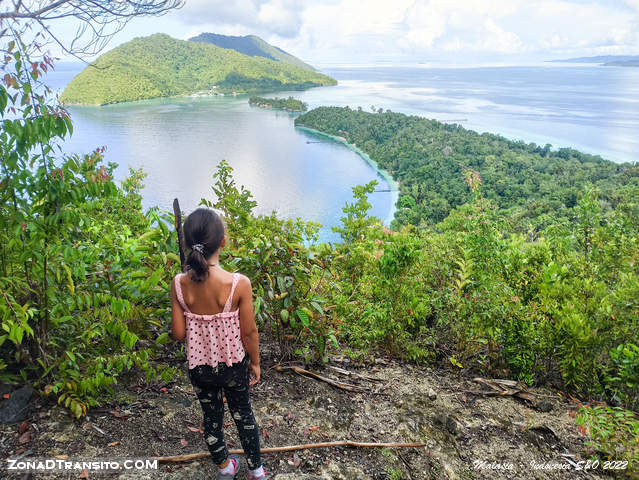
(330,32)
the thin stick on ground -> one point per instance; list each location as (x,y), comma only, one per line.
(290,448)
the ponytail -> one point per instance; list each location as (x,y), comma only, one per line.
(197,266)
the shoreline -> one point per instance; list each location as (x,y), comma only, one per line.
(392,183)
(199,94)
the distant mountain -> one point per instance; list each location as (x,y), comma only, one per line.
(623,63)
(251,45)
(617,60)
(161,66)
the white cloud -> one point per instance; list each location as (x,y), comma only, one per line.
(282,16)
(634,4)
(370,30)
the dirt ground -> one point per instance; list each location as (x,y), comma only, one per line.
(409,404)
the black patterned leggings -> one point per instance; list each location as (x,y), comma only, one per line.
(209,382)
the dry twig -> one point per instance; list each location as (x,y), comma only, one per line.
(290,448)
(307,373)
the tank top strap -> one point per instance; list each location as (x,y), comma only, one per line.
(178,291)
(229,301)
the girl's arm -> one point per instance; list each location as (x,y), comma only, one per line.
(178,323)
(248,329)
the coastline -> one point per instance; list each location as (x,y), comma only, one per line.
(392,183)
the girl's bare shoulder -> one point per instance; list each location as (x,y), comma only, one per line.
(243,283)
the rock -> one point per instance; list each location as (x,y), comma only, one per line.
(447,150)
(449,422)
(544,406)
(14,409)
(453,426)
(432,395)
(335,471)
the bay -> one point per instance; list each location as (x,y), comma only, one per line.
(179,141)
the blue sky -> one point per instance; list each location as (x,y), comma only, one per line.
(406,31)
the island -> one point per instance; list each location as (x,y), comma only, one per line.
(605,60)
(289,104)
(161,66)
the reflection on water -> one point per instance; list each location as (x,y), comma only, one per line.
(179,142)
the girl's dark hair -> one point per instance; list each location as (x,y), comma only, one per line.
(202,227)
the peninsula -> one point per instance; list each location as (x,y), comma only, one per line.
(432,161)
(161,66)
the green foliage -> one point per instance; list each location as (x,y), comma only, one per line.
(623,381)
(161,66)
(289,104)
(613,432)
(80,288)
(356,220)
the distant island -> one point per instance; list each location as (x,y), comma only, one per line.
(289,104)
(161,66)
(605,60)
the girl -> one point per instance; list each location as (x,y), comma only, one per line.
(213,310)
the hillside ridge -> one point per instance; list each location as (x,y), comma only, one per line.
(251,45)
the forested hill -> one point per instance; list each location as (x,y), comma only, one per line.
(430,159)
(161,66)
(252,46)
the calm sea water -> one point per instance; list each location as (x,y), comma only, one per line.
(179,142)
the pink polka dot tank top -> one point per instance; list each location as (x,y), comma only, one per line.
(212,339)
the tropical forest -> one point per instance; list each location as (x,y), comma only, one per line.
(495,319)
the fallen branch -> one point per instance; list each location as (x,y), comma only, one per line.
(341,385)
(290,448)
(353,374)
(502,388)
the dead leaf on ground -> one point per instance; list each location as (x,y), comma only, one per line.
(24,438)
(183,442)
(84,474)
(113,444)
(6,395)
(296,460)
(24,426)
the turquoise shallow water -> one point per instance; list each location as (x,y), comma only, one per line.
(179,141)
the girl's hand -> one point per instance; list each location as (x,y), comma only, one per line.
(254,373)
